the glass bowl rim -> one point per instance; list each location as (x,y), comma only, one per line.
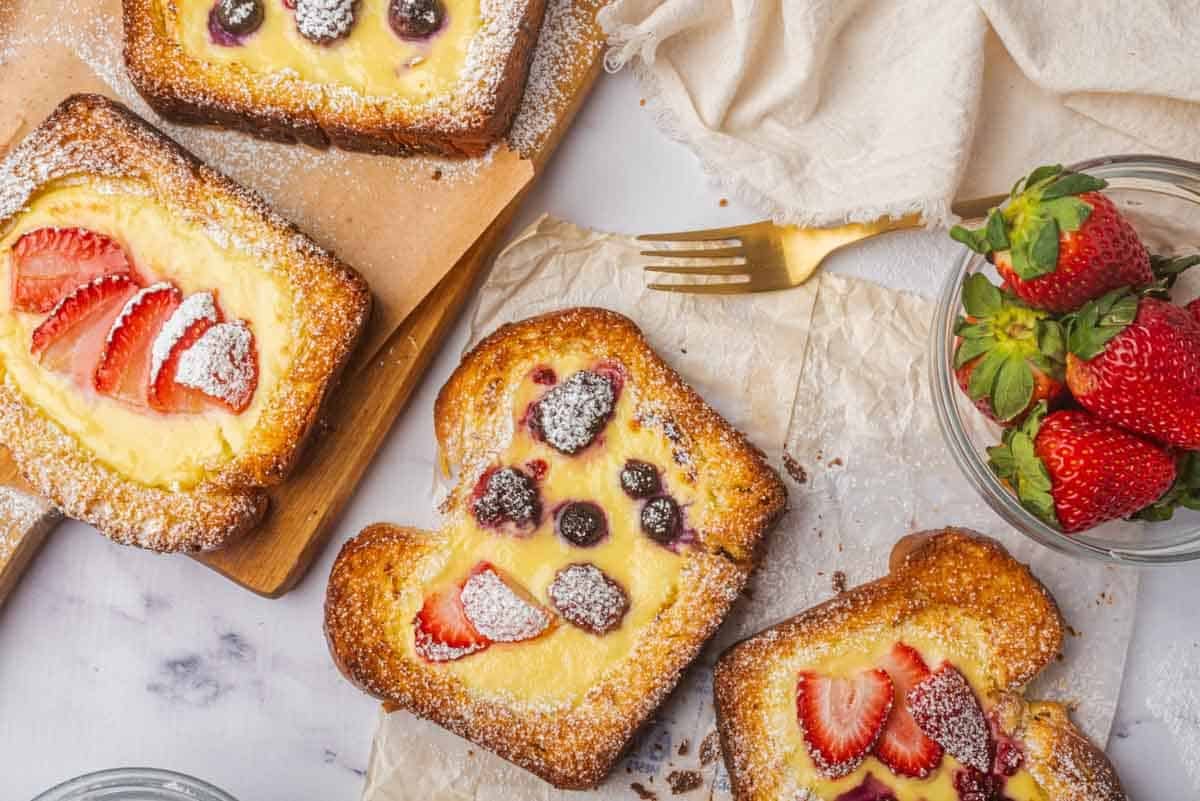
(944,389)
(135,778)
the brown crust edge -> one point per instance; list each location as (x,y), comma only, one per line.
(953,568)
(98,131)
(185,90)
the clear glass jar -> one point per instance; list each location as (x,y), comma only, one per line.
(1161,198)
(134,784)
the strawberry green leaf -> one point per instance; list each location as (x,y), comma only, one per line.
(1068,212)
(1043,173)
(1091,328)
(972,330)
(1043,247)
(1184,492)
(1168,269)
(970,349)
(1051,340)
(1013,388)
(1016,461)
(997,230)
(983,377)
(975,240)
(980,297)
(1073,183)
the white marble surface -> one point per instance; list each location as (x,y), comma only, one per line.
(110,656)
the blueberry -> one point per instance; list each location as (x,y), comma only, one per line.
(660,519)
(416,19)
(640,479)
(239,17)
(581,523)
(507,495)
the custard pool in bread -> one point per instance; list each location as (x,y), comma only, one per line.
(166,341)
(390,76)
(604,520)
(909,688)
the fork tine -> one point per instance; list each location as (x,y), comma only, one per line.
(698,253)
(703,289)
(698,269)
(733,232)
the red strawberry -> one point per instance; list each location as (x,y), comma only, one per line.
(842,718)
(443,632)
(124,368)
(49,263)
(1135,362)
(1194,308)
(903,747)
(1009,356)
(945,707)
(72,338)
(197,314)
(222,365)
(1075,471)
(499,609)
(1059,243)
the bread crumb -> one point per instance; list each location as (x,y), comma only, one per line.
(642,102)
(642,792)
(839,581)
(684,781)
(794,469)
(710,748)
(685,746)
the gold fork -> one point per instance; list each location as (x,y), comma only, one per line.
(772,256)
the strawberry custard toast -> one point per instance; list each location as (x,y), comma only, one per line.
(389,76)
(604,521)
(166,341)
(909,689)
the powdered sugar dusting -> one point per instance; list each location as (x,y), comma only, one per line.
(324,20)
(221,363)
(946,709)
(19,513)
(499,613)
(583,595)
(196,307)
(570,415)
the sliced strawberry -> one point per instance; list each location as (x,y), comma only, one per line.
(945,707)
(197,314)
(903,747)
(499,609)
(72,338)
(443,632)
(47,264)
(124,368)
(842,718)
(222,364)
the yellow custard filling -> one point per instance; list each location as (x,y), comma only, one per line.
(850,657)
(170,451)
(559,667)
(371,59)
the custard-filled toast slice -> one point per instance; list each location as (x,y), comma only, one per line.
(166,340)
(910,687)
(388,76)
(603,521)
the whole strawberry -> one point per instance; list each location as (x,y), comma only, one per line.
(1074,471)
(1194,309)
(1134,361)
(1059,243)
(1009,356)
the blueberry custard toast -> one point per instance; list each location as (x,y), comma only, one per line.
(603,522)
(390,76)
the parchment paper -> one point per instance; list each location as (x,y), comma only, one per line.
(835,371)
(402,222)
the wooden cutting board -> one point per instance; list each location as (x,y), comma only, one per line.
(304,510)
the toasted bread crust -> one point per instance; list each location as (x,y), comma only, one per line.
(571,747)
(943,574)
(286,108)
(91,136)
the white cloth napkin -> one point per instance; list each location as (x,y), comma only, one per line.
(823,111)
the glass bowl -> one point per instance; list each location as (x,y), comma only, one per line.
(134,784)
(1161,198)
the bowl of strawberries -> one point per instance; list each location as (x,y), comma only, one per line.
(1066,358)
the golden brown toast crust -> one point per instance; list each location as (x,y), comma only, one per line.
(578,746)
(88,136)
(286,108)
(939,575)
